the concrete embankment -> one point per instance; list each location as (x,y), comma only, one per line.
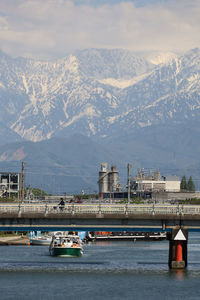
(14,240)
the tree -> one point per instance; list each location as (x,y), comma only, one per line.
(183,184)
(190,185)
(34,192)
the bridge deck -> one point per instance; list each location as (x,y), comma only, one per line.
(96,217)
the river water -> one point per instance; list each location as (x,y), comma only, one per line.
(107,270)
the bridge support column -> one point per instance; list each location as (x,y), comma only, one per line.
(19,211)
(178,248)
(46,210)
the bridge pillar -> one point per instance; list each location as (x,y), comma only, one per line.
(46,210)
(19,211)
(178,248)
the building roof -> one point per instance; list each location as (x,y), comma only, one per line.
(171,178)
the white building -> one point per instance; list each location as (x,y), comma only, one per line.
(172,184)
(155,183)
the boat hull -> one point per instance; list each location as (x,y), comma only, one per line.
(38,242)
(109,236)
(62,251)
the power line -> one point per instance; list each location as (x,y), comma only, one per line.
(64,175)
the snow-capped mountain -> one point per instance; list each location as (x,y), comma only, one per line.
(96,92)
(140,106)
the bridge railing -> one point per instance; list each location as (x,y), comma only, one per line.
(157,209)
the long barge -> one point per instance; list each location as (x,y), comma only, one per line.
(125,235)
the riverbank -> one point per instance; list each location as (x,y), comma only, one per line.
(14,240)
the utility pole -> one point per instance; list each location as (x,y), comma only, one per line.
(129,185)
(23,182)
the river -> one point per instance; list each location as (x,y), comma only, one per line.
(107,270)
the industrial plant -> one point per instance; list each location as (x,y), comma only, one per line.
(145,183)
(148,181)
(10,184)
(108,180)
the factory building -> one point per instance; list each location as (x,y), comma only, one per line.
(108,180)
(145,184)
(153,182)
(172,184)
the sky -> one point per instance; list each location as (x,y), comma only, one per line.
(50,29)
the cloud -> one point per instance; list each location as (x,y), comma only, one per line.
(53,28)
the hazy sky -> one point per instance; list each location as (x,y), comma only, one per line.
(53,28)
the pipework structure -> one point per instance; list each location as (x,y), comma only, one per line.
(153,181)
(10,184)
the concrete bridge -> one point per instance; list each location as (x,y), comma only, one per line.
(177,220)
(91,217)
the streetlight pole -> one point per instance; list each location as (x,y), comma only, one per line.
(22,181)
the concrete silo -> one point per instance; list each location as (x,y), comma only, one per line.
(108,179)
(103,178)
(113,179)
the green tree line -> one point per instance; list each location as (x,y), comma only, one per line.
(187,185)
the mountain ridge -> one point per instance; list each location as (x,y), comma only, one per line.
(52,94)
(120,100)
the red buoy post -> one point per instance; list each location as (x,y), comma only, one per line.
(178,248)
(179,251)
